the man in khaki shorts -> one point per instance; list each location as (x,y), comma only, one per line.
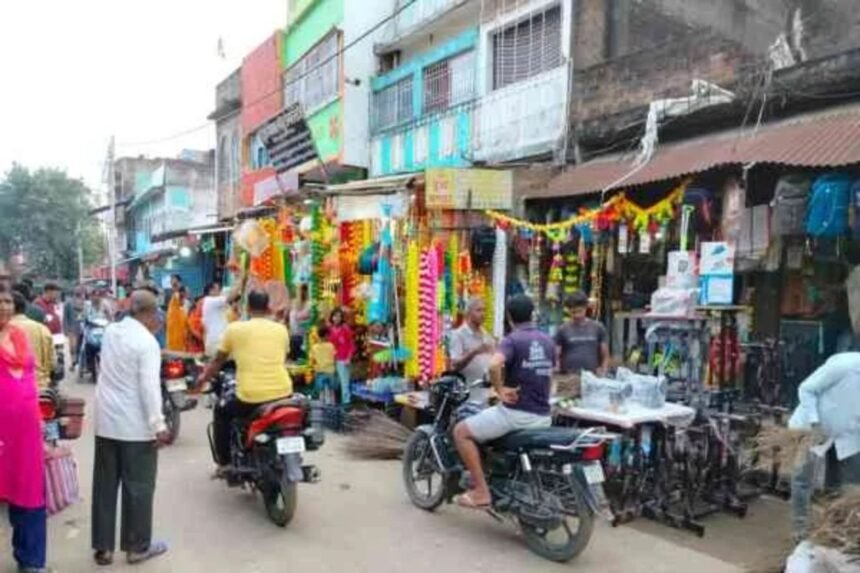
(526,355)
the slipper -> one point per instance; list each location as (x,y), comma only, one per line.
(156,548)
(465,500)
(103,558)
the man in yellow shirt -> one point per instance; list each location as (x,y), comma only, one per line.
(40,339)
(259,346)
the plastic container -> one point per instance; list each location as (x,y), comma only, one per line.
(648,391)
(605,393)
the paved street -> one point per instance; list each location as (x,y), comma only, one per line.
(357,519)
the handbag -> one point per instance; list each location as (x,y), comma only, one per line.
(61,480)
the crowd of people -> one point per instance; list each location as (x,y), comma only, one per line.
(130,424)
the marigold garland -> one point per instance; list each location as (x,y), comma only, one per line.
(604,217)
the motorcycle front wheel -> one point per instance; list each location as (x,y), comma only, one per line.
(569,538)
(280,500)
(424,483)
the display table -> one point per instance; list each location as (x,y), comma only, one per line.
(639,464)
(634,415)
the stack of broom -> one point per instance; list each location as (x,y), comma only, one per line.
(374,436)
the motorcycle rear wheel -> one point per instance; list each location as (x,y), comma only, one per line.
(419,465)
(172,419)
(280,500)
(562,544)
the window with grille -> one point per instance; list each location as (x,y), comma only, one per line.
(393,105)
(449,82)
(527,48)
(313,80)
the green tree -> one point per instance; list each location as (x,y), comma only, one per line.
(43,215)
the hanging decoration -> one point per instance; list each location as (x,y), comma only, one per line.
(317,254)
(410,335)
(605,217)
(428,278)
(500,267)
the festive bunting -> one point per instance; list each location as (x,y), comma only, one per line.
(618,208)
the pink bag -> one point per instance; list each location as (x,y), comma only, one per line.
(61,480)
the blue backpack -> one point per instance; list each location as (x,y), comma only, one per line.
(828,205)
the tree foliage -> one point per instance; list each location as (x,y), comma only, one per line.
(43,216)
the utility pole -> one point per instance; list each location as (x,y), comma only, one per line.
(112,216)
(79,235)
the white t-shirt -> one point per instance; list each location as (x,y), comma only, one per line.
(214,322)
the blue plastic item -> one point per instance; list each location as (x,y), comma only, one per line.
(828,205)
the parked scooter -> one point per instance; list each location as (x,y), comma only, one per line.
(59,370)
(547,481)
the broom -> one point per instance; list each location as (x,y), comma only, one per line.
(374,436)
(838,525)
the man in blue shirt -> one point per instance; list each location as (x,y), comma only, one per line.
(830,408)
(526,355)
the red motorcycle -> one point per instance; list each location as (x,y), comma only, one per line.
(178,375)
(266,448)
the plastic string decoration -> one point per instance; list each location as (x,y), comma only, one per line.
(411,334)
(500,268)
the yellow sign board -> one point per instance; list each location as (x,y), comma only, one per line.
(448,188)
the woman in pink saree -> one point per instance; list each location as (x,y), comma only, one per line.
(22,458)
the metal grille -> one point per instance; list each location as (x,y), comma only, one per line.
(527,48)
(449,82)
(393,105)
(310,81)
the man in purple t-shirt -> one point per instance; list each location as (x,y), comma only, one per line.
(526,356)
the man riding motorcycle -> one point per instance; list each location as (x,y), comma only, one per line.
(259,347)
(526,355)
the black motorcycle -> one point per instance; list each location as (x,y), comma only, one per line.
(266,448)
(548,481)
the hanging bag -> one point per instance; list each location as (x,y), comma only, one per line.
(61,480)
(828,205)
(483,246)
(790,203)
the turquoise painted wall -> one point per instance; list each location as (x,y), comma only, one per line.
(383,147)
(428,129)
(178,196)
(314,22)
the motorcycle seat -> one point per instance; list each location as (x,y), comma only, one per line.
(537,438)
(264,410)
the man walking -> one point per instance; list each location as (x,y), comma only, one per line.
(830,408)
(49,303)
(471,348)
(40,339)
(129,428)
(581,342)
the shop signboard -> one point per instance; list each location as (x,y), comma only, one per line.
(716,269)
(459,189)
(287,139)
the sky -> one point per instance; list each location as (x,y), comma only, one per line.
(75,72)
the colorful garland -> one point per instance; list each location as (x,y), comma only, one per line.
(410,334)
(617,209)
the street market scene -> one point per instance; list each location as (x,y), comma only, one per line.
(467,285)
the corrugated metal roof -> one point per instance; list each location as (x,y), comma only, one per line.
(823,139)
(388,184)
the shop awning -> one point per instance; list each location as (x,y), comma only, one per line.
(376,186)
(822,139)
(201,230)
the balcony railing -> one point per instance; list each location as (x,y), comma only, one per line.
(523,119)
(418,14)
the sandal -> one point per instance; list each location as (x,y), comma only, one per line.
(103,558)
(156,548)
(465,500)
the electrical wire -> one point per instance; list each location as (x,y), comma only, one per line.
(285,84)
